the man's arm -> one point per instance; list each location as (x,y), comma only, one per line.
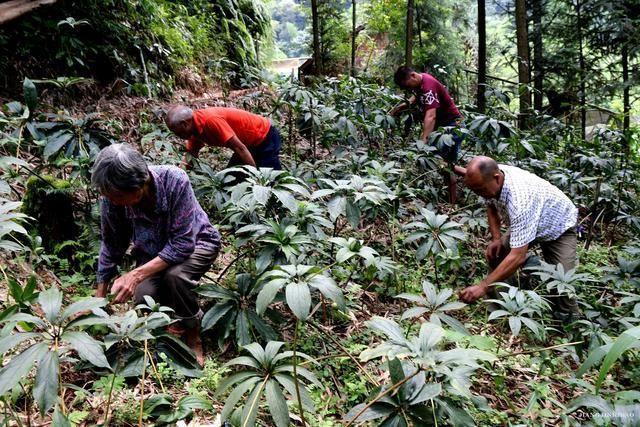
(429,124)
(505,269)
(402,106)
(493,218)
(241,150)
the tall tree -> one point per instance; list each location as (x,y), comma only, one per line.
(538,62)
(353,38)
(408,42)
(315,23)
(578,5)
(523,62)
(482,56)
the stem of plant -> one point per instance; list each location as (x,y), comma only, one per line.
(295,372)
(155,371)
(381,395)
(144,371)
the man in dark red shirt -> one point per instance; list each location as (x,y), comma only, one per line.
(439,110)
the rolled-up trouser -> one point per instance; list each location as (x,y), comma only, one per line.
(174,286)
(559,251)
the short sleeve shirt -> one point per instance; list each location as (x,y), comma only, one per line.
(537,210)
(217,125)
(433,94)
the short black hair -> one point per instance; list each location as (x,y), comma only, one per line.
(402,75)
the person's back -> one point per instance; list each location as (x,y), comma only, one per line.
(218,124)
(252,138)
(433,94)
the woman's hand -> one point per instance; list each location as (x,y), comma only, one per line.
(125,286)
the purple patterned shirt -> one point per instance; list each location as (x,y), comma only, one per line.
(176,227)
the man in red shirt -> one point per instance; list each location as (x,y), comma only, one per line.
(253,139)
(439,110)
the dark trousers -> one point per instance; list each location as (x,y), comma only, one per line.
(174,286)
(267,154)
(559,251)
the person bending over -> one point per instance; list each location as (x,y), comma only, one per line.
(539,214)
(437,110)
(252,138)
(174,244)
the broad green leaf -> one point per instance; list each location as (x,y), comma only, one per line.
(59,419)
(237,394)
(289,384)
(84,304)
(51,303)
(395,370)
(250,410)
(10,342)
(277,404)
(299,299)
(56,142)
(267,294)
(88,348)
(30,95)
(375,411)
(45,389)
(19,366)
(243,334)
(624,342)
(213,315)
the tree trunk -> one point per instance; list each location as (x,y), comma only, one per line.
(482,56)
(315,22)
(538,66)
(408,42)
(523,62)
(583,110)
(626,104)
(419,26)
(353,38)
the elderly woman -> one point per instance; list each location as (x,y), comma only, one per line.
(173,241)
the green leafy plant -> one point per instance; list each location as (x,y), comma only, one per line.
(133,339)
(435,304)
(298,281)
(434,234)
(354,197)
(10,221)
(610,353)
(519,308)
(279,243)
(451,368)
(267,373)
(52,338)
(77,137)
(560,281)
(235,310)
(407,400)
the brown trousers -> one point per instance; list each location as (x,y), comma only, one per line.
(174,286)
(559,251)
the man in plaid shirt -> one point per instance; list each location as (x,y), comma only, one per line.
(538,213)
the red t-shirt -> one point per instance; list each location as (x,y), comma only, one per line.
(217,125)
(433,94)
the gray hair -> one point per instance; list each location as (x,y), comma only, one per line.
(119,167)
(177,115)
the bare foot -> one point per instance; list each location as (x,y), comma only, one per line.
(192,338)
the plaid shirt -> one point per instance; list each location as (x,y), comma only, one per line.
(537,209)
(176,227)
